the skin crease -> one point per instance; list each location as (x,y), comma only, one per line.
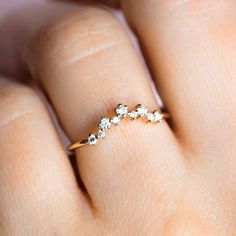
(181,181)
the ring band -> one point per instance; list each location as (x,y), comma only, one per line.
(140,112)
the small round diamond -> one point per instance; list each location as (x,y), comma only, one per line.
(133,115)
(158,116)
(105,123)
(101,134)
(151,117)
(115,120)
(121,110)
(92,140)
(142,110)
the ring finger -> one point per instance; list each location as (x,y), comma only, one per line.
(87,66)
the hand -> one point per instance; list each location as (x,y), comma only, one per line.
(174,178)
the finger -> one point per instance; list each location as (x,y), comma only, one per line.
(110,3)
(38,189)
(191,50)
(87,66)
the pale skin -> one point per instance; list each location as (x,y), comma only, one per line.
(177,178)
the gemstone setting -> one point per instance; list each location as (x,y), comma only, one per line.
(142,110)
(158,116)
(115,120)
(151,117)
(133,115)
(104,123)
(92,139)
(121,110)
(101,134)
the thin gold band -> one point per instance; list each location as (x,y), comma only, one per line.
(140,111)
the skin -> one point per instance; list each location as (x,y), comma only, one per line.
(173,179)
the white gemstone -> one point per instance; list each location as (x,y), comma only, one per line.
(121,110)
(151,117)
(133,115)
(105,123)
(158,116)
(92,140)
(142,110)
(101,134)
(115,120)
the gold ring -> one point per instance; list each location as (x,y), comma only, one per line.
(140,112)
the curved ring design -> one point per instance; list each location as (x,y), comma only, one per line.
(121,111)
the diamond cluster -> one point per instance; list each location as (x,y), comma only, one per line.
(122,111)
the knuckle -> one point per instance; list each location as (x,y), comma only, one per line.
(16,101)
(77,36)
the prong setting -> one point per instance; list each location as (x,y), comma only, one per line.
(92,139)
(133,115)
(158,116)
(104,123)
(121,110)
(140,112)
(115,120)
(101,134)
(151,117)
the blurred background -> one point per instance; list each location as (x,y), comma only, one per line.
(8,5)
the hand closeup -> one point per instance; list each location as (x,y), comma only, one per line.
(174,178)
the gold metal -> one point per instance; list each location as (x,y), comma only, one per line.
(165,115)
(77,145)
(85,142)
